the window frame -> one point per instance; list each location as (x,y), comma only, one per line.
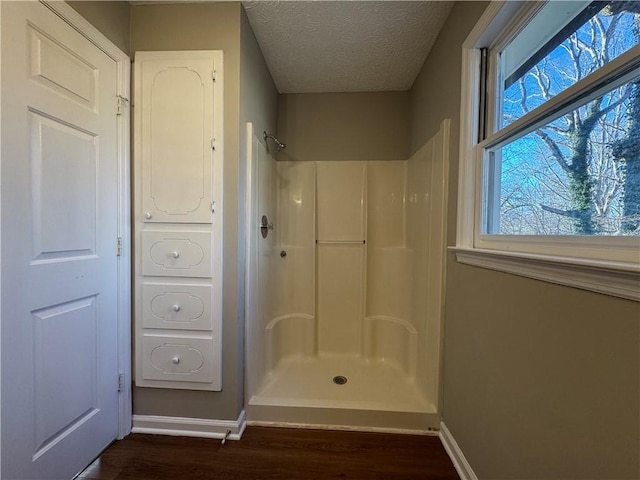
(609,265)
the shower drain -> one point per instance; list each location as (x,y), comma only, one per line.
(339,380)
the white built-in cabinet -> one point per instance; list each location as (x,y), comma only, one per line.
(178,219)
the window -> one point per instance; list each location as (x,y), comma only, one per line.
(550,167)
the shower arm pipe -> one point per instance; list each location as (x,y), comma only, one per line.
(279,145)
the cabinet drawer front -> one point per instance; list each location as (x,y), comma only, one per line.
(177,359)
(176,254)
(178,307)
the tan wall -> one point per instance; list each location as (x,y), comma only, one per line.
(541,381)
(344,126)
(258,104)
(258,94)
(205,27)
(110,18)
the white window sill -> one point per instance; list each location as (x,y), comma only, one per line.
(610,278)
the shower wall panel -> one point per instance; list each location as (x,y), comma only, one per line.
(437,244)
(419,177)
(259,285)
(389,334)
(388,260)
(389,278)
(385,204)
(295,231)
(427,176)
(340,298)
(418,223)
(341,197)
(340,191)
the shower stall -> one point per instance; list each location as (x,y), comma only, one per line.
(344,288)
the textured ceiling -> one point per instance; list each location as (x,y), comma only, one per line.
(345,46)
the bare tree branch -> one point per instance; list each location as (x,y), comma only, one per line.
(555,150)
(557,211)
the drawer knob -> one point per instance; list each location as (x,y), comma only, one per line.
(176,308)
(175,360)
(175,254)
(148,215)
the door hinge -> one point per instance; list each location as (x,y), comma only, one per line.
(213,75)
(213,207)
(120,380)
(123,102)
(119,246)
(213,144)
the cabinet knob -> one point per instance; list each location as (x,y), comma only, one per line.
(176,308)
(175,254)
(175,360)
(148,215)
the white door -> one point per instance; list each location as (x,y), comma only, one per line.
(59,246)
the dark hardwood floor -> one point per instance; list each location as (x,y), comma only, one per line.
(275,453)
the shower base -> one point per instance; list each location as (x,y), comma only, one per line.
(375,396)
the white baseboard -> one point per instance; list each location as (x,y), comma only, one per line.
(455,453)
(190,427)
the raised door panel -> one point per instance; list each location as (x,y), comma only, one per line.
(64,71)
(64,204)
(185,307)
(177,136)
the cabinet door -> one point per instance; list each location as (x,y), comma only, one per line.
(176,98)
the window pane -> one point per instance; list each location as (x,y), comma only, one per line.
(577,175)
(563,43)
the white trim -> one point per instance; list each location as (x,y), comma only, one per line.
(469,105)
(490,25)
(343,428)
(123,66)
(460,462)
(0,244)
(83,26)
(190,427)
(621,250)
(610,278)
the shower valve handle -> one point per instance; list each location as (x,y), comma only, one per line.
(265,226)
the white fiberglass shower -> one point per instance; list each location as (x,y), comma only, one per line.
(344,285)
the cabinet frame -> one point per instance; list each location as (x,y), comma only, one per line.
(197,224)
